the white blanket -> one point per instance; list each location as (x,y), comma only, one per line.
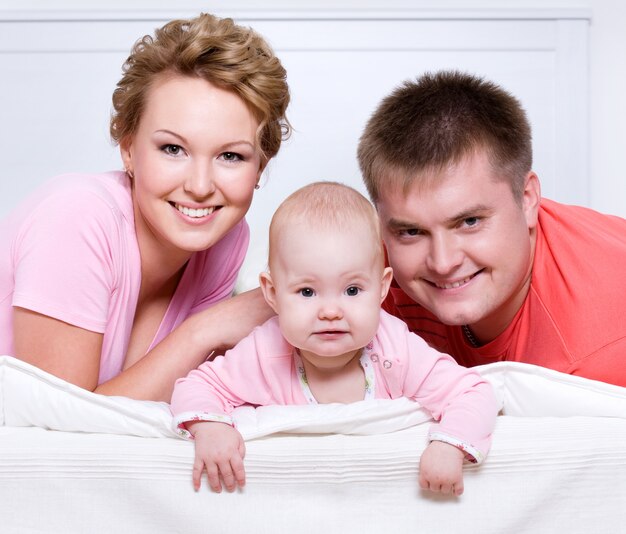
(558,462)
(31,397)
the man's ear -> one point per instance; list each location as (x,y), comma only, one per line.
(386,282)
(268,290)
(531,198)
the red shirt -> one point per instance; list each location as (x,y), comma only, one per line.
(574,317)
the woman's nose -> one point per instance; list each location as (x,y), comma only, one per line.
(201,181)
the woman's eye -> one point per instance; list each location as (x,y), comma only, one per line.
(231,156)
(352,291)
(172,150)
(307,292)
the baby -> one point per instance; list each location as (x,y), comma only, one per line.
(331,342)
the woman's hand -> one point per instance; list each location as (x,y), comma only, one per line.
(217,328)
(441,468)
(220,450)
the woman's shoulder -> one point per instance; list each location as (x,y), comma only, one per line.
(103,190)
(71,205)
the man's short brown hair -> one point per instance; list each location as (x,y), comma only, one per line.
(437,120)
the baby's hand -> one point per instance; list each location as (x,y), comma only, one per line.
(441,468)
(220,450)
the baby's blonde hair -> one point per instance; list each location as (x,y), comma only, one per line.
(324,205)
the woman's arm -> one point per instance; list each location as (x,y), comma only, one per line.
(64,350)
(73,353)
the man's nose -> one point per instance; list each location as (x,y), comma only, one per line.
(444,254)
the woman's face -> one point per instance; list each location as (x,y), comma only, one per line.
(195,163)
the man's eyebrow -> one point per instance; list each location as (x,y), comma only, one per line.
(396,224)
(472,211)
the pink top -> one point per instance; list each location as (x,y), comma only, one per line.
(70,251)
(264,369)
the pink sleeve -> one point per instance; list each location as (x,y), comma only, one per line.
(241,376)
(462,402)
(63,260)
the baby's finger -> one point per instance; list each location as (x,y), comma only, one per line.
(423,482)
(196,475)
(213,475)
(239,471)
(227,475)
(446,488)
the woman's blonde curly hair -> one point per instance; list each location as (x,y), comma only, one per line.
(219,51)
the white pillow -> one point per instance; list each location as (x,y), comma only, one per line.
(32,397)
(526,390)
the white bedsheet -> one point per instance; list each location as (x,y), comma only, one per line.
(73,461)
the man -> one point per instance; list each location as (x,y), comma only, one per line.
(484,268)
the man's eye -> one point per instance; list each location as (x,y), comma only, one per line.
(307,292)
(411,232)
(352,291)
(471,221)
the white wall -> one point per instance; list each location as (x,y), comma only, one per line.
(606,62)
(608,106)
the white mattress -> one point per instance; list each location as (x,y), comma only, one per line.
(68,463)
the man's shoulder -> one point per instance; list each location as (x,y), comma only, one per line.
(568,234)
(577,290)
(555,217)
(418,319)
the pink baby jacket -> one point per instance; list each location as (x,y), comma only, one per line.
(264,369)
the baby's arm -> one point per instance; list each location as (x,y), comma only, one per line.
(460,400)
(441,468)
(220,450)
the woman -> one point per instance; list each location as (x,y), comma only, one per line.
(108,281)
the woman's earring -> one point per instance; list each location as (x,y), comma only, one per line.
(130,173)
(257,187)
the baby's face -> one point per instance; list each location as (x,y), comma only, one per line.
(328,289)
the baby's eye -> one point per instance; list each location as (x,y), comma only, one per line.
(172,150)
(352,291)
(307,292)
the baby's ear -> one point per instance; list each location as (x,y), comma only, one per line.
(385,283)
(268,289)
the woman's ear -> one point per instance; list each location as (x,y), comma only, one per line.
(268,290)
(262,167)
(385,283)
(125,152)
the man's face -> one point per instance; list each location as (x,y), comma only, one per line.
(461,245)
